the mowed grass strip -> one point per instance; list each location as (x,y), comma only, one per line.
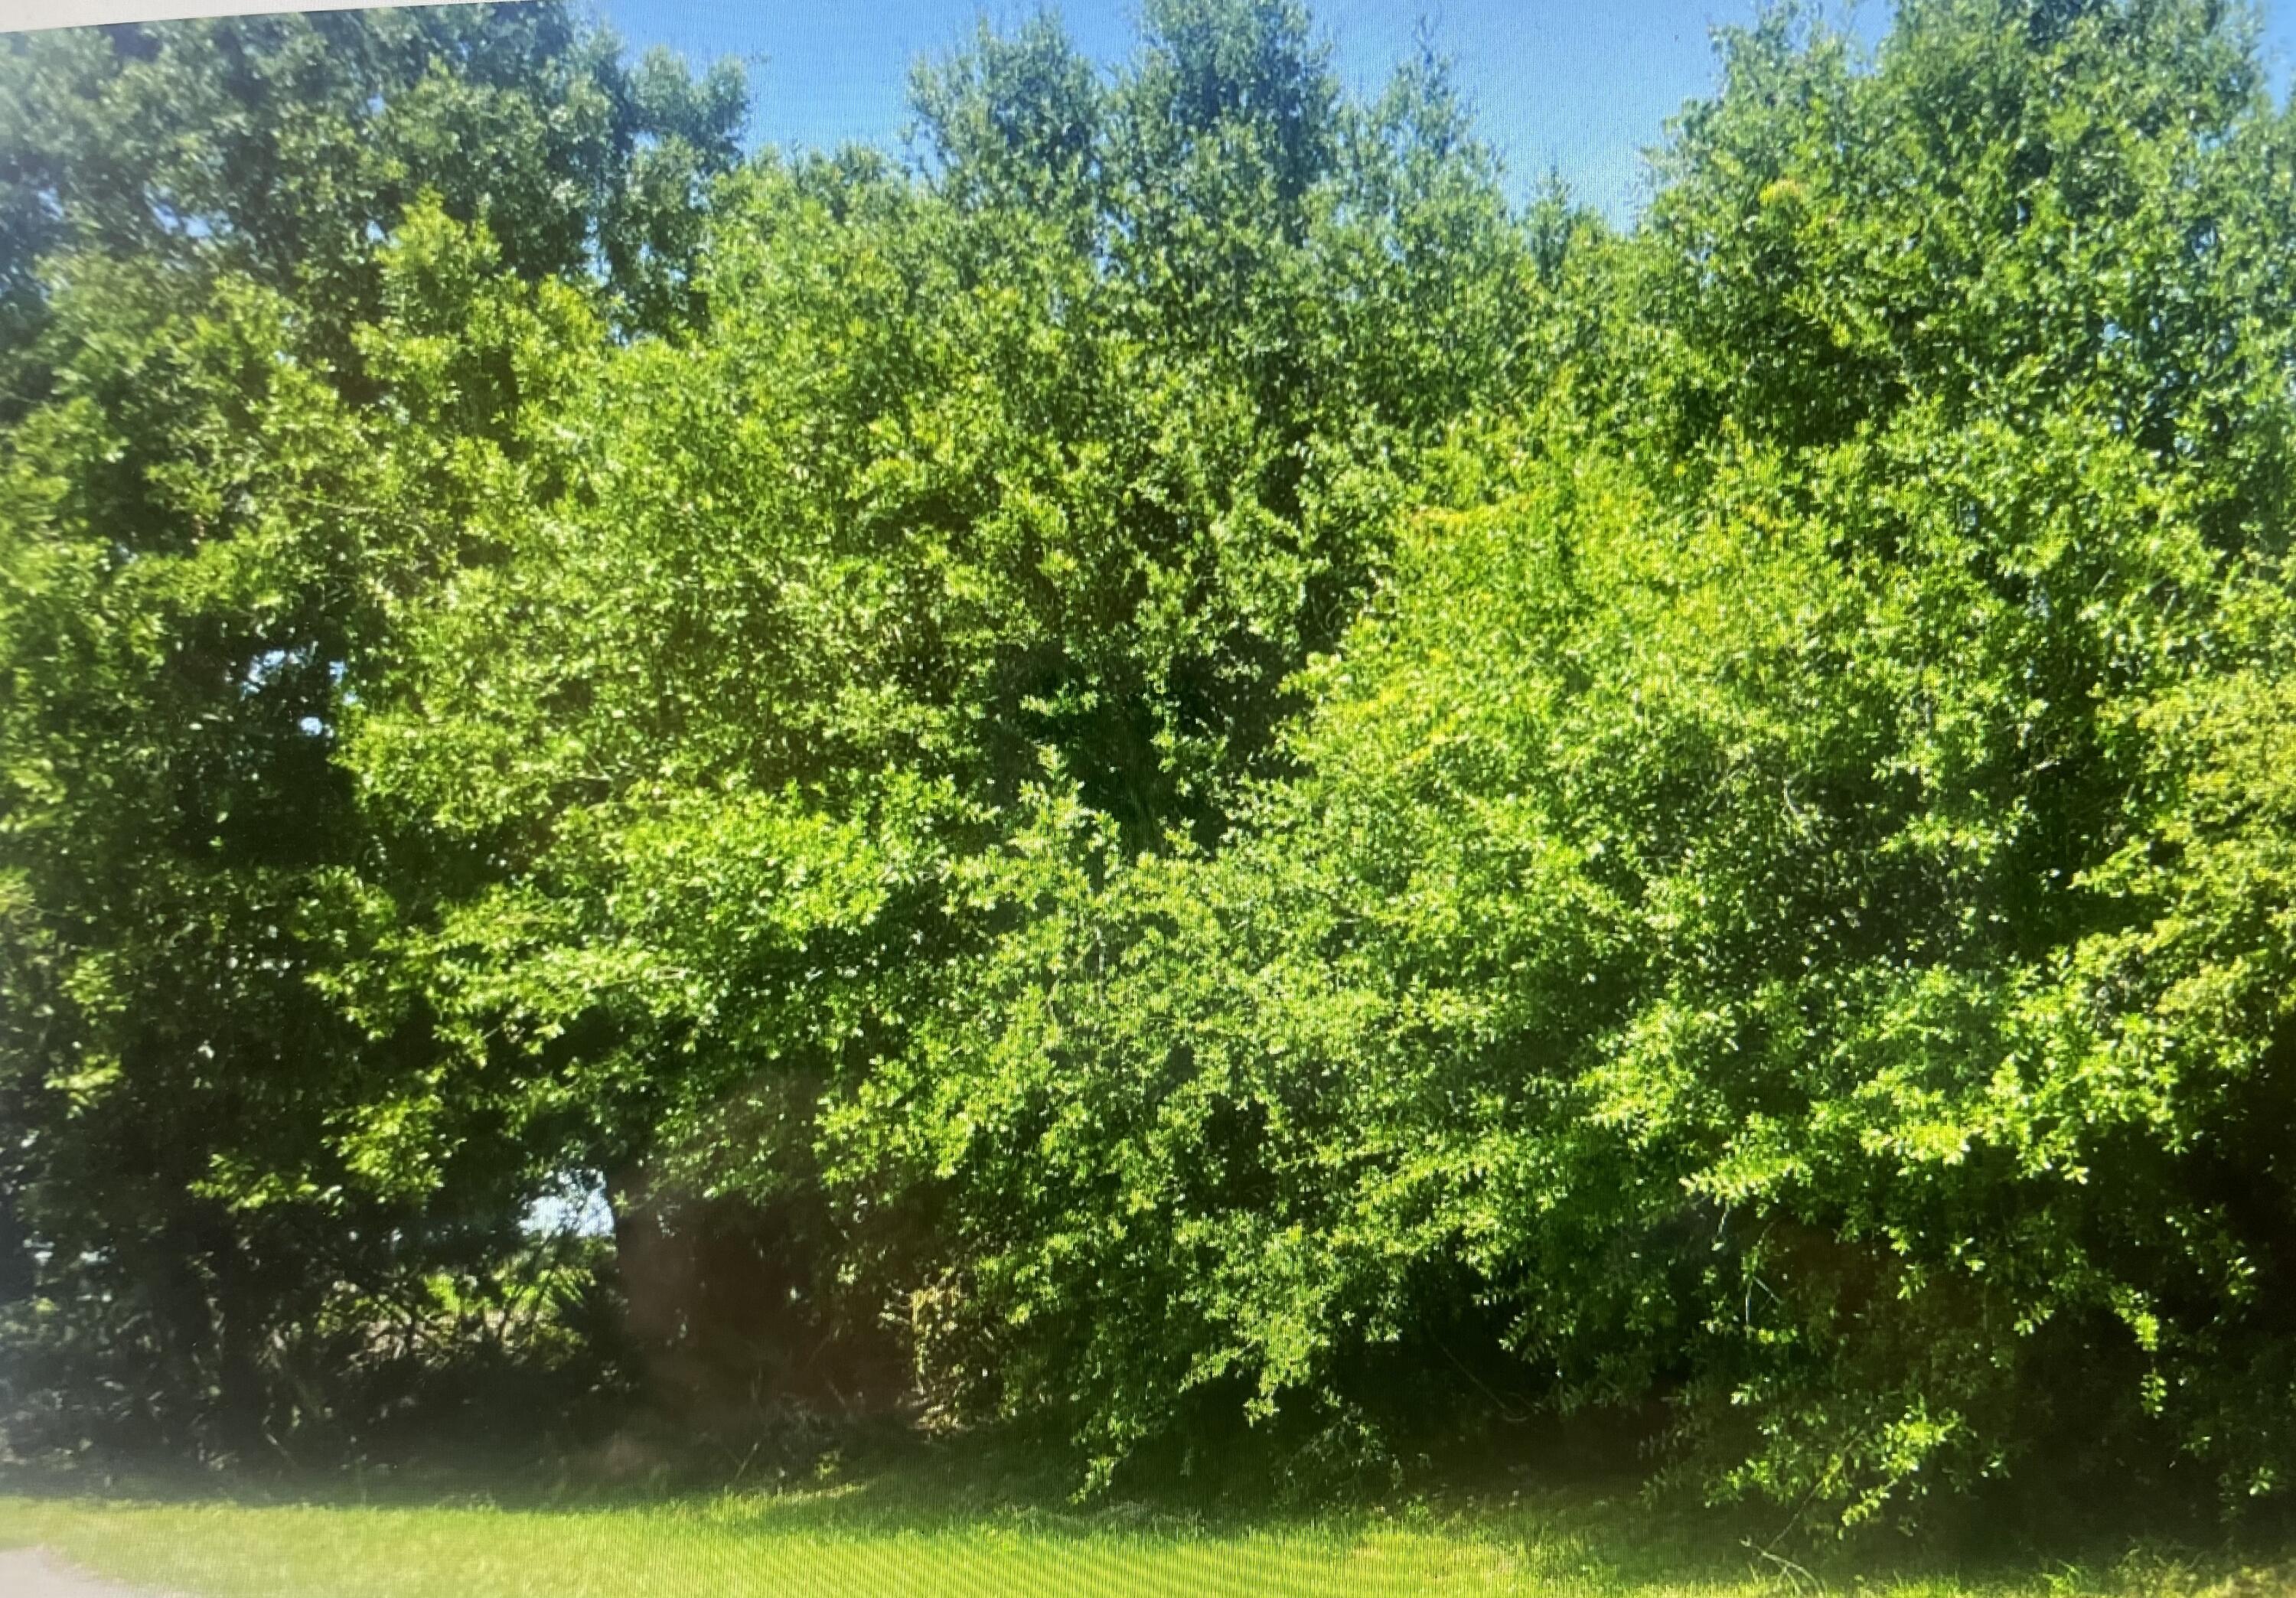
(730,1546)
(846,1540)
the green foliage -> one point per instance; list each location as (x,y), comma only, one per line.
(1034,472)
(202,532)
(283,147)
(1164,750)
(1780,902)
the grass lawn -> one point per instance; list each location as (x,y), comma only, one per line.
(943,1534)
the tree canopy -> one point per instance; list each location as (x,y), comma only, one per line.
(1203,781)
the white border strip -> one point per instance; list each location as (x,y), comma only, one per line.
(28,16)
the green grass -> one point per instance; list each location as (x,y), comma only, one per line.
(948,1535)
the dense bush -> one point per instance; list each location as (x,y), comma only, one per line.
(1177,771)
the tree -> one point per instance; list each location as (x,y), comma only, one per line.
(1778,906)
(1163,750)
(203,531)
(1024,479)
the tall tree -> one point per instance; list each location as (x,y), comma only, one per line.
(1018,483)
(1781,905)
(202,541)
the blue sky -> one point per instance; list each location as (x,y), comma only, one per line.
(1582,86)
